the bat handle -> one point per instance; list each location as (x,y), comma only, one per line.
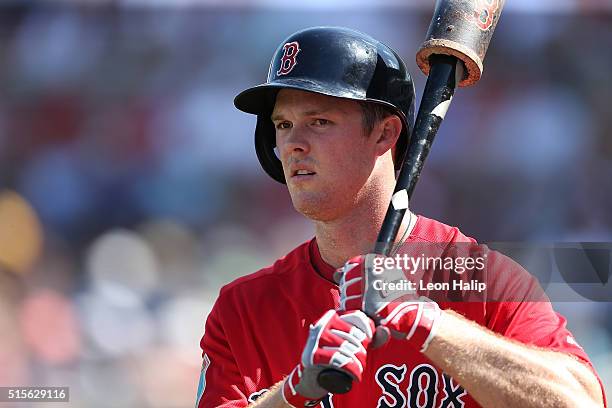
(335,381)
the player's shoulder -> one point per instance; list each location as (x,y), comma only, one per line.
(434,231)
(269,276)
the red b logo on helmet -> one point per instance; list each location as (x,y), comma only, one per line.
(287,62)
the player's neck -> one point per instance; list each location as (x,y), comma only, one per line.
(354,234)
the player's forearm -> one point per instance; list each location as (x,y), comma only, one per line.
(498,372)
(271,399)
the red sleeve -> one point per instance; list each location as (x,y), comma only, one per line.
(221,384)
(533,320)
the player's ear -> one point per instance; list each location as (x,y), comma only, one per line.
(388,131)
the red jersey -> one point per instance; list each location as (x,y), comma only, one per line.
(256,332)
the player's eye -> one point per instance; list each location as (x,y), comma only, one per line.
(283,125)
(321,122)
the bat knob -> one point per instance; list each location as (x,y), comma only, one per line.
(335,381)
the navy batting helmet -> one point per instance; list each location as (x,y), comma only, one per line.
(332,61)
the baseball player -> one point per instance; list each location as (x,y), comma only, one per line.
(338,108)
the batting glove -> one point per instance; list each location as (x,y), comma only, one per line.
(335,341)
(403,314)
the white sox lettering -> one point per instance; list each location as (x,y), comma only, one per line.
(392,395)
(453,393)
(420,392)
(422,388)
(423,395)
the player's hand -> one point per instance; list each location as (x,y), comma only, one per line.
(335,341)
(403,314)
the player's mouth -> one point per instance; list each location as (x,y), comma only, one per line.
(302,174)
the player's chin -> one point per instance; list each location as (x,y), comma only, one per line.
(312,205)
(307,184)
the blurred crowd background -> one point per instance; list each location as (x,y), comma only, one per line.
(130,191)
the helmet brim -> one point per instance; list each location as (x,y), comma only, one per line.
(260,99)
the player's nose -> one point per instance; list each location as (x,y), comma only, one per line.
(295,141)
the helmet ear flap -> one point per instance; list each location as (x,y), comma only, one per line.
(264,147)
(398,89)
(401,148)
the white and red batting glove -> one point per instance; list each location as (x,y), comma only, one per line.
(335,341)
(402,313)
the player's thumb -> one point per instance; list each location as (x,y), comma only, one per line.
(381,337)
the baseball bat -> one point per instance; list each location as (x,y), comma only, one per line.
(452,55)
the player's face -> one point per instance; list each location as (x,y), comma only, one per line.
(327,159)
